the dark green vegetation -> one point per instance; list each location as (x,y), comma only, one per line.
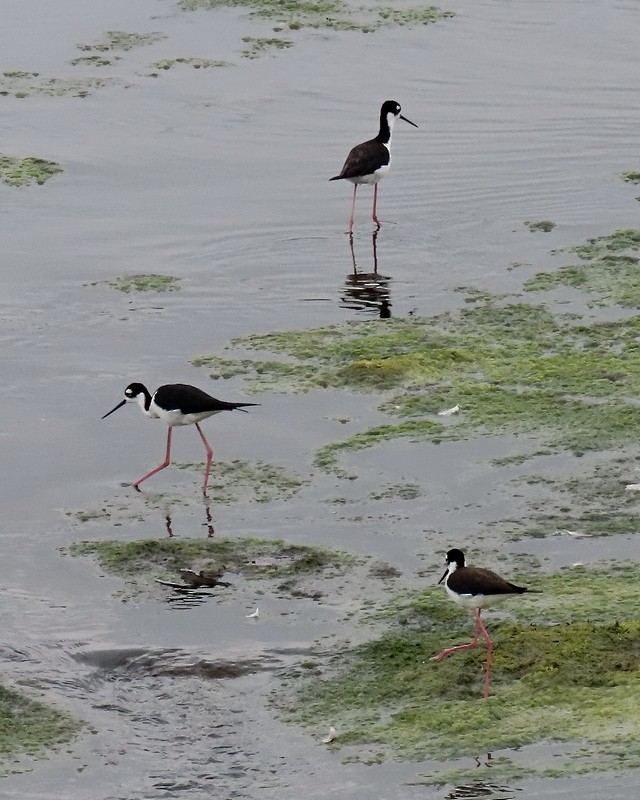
(121,40)
(513,369)
(23,171)
(254,48)
(567,670)
(632,176)
(141,563)
(333,14)
(607,270)
(599,500)
(144,283)
(196,63)
(543,225)
(27,84)
(29,727)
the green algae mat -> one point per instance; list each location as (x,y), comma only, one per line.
(566,670)
(332,14)
(25,171)
(144,562)
(29,728)
(508,368)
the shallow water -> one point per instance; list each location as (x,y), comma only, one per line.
(527,111)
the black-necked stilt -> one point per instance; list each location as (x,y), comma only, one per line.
(177,404)
(369,162)
(475,588)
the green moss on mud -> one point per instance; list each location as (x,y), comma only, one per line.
(254,48)
(633,176)
(566,671)
(333,14)
(593,502)
(144,283)
(24,171)
(141,563)
(122,40)
(27,84)
(543,226)
(196,63)
(259,482)
(30,728)
(514,369)
(608,270)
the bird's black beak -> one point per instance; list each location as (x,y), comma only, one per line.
(122,403)
(408,120)
(442,578)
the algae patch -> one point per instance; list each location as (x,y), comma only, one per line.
(144,283)
(26,84)
(542,226)
(511,369)
(143,563)
(607,270)
(24,171)
(331,14)
(30,728)
(195,63)
(122,40)
(566,671)
(590,503)
(633,176)
(259,482)
(254,48)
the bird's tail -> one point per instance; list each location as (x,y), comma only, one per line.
(239,406)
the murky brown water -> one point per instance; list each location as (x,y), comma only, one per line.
(527,110)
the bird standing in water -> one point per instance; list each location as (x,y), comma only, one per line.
(177,404)
(369,162)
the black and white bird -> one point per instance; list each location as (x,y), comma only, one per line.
(177,404)
(475,588)
(369,162)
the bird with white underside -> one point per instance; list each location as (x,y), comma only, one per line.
(369,161)
(177,404)
(475,588)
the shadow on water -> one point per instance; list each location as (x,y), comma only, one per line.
(367,292)
(132,663)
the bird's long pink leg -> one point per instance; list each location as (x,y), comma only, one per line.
(209,450)
(473,643)
(164,464)
(353,208)
(487,669)
(375,205)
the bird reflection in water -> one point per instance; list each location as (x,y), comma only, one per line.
(367,291)
(208,523)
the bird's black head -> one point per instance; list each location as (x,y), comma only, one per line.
(135,389)
(390,107)
(393,107)
(456,557)
(133,392)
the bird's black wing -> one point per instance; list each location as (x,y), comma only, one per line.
(476,581)
(191,400)
(364,159)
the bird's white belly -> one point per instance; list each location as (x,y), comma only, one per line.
(175,417)
(477,600)
(376,176)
